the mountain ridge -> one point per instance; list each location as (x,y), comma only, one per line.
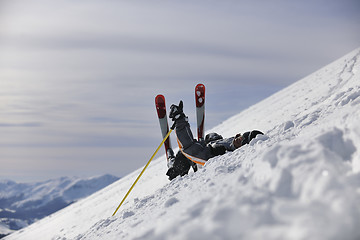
(24,203)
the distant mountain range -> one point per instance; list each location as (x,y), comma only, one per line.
(21,204)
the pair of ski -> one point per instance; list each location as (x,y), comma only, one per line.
(161,110)
(200,115)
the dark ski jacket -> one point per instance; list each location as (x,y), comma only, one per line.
(193,152)
(200,151)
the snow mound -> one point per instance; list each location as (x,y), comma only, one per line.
(301,180)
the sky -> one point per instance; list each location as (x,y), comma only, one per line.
(78,78)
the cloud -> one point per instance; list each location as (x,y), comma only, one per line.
(25,124)
(78,78)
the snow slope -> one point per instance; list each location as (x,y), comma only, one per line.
(23,203)
(300,181)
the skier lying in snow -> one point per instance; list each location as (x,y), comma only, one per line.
(193,151)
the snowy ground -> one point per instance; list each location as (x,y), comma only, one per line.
(300,181)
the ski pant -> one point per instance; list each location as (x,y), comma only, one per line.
(194,150)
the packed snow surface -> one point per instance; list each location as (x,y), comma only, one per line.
(301,180)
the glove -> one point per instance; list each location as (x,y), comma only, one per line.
(176,112)
(248,136)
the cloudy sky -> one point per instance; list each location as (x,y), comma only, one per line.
(78,78)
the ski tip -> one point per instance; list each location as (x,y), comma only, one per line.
(158,97)
(160,106)
(200,85)
(200,95)
(160,100)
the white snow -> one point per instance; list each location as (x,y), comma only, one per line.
(299,181)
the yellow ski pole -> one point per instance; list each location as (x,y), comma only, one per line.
(167,135)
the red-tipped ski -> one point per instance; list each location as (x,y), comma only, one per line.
(161,111)
(200,109)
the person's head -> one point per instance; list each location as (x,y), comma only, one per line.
(237,142)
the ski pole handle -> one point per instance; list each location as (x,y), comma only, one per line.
(173,126)
(137,179)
